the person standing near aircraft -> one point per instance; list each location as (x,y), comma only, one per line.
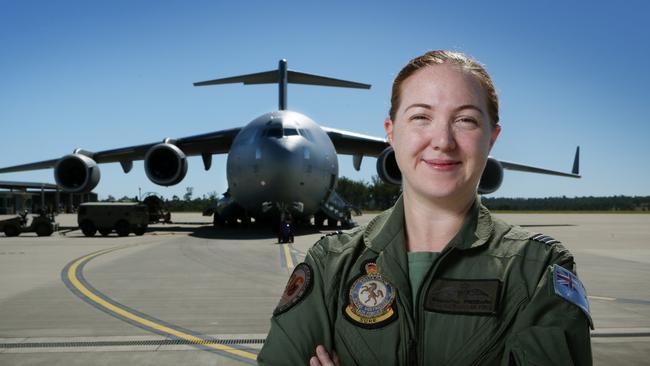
(436,279)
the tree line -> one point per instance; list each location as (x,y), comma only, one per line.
(377,195)
(590,203)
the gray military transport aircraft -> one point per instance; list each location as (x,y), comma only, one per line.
(281,163)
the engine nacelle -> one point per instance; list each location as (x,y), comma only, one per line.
(387,168)
(492,177)
(76,173)
(165,164)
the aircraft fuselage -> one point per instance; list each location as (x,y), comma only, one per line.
(281,161)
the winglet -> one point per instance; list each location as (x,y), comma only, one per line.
(576,162)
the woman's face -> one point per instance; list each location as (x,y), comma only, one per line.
(442,133)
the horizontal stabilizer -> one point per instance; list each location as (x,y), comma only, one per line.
(266,77)
(293,77)
(296,77)
(283,77)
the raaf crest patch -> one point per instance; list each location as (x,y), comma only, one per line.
(371,299)
(567,286)
(297,288)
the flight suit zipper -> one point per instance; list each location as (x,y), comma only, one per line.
(407,332)
(419,312)
(497,337)
(412,352)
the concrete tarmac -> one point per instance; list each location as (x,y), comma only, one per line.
(72,300)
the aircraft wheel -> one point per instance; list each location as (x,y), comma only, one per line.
(43,229)
(122,228)
(11,230)
(218,221)
(319,219)
(88,228)
(105,232)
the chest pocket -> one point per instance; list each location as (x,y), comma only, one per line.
(356,345)
(458,339)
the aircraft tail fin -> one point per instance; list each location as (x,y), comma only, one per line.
(283,76)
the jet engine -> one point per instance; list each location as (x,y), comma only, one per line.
(492,177)
(76,173)
(387,168)
(165,164)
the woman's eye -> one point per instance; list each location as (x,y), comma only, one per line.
(419,119)
(467,122)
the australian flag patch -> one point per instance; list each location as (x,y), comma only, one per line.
(567,286)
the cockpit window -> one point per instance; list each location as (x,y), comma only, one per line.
(290,132)
(274,132)
(307,134)
(248,136)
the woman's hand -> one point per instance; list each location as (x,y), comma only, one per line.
(323,358)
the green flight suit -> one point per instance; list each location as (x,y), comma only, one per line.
(488,299)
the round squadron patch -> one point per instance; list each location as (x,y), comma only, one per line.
(371,300)
(297,288)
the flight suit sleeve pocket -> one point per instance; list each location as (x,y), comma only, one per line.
(538,346)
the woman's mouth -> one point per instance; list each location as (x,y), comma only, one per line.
(442,164)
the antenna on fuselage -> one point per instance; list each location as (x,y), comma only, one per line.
(284,76)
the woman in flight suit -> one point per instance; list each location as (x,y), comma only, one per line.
(435,280)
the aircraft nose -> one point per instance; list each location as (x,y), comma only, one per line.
(282,160)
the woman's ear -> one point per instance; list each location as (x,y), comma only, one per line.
(496,130)
(388,126)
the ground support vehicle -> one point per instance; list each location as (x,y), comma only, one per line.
(157,210)
(42,225)
(285,234)
(123,217)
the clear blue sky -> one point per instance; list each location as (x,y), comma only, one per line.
(107,74)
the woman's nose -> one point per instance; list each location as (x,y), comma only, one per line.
(442,137)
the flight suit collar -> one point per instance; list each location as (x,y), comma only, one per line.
(389,228)
(476,229)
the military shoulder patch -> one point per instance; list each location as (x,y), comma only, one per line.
(298,287)
(371,299)
(567,286)
(459,296)
(544,239)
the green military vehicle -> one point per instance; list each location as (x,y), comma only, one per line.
(123,217)
(42,225)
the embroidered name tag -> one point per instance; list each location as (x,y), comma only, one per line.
(474,297)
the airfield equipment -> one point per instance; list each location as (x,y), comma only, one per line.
(43,224)
(157,210)
(123,217)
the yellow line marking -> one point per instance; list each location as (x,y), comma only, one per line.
(287,256)
(148,323)
(602,298)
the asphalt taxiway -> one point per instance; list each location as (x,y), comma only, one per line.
(185,293)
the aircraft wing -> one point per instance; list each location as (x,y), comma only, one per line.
(575,172)
(210,143)
(359,145)
(351,143)
(532,169)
